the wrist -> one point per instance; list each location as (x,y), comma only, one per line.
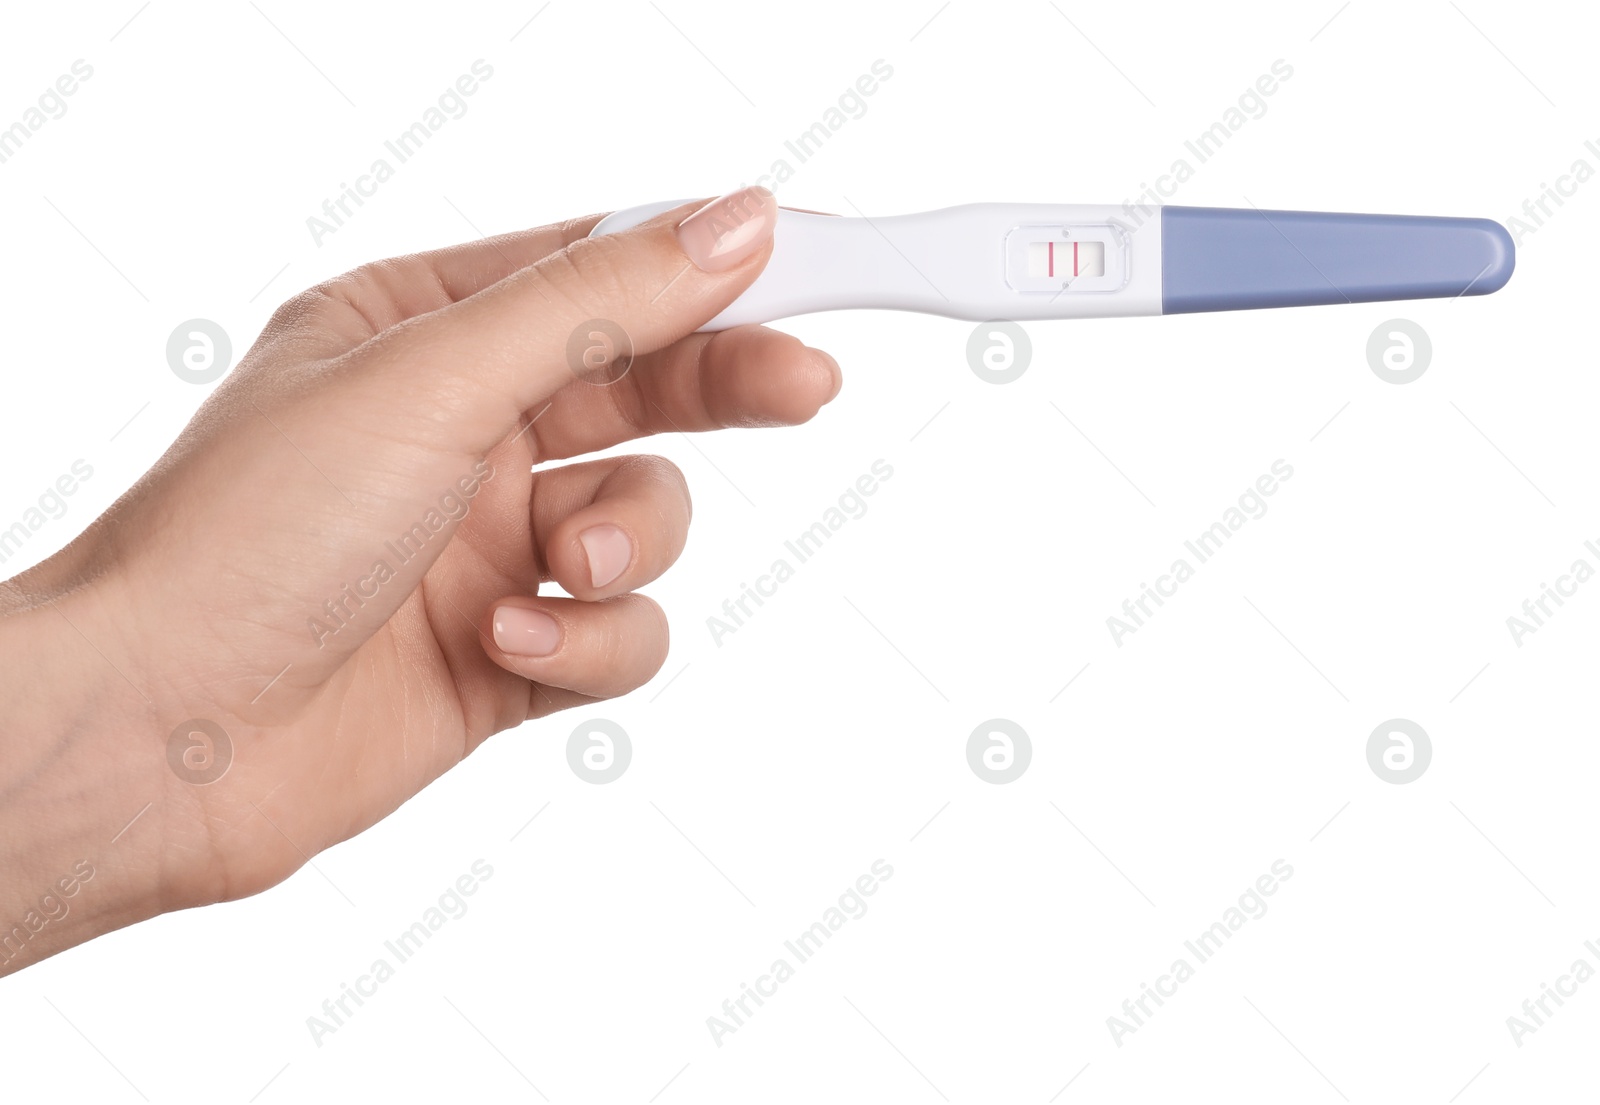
(82,826)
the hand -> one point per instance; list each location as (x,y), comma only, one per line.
(338,562)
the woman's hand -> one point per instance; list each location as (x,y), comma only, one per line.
(338,562)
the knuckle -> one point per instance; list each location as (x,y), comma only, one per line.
(592,272)
(307,308)
(366,295)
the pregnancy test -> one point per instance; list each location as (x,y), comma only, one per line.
(1024,261)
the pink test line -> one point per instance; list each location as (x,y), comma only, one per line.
(1050,254)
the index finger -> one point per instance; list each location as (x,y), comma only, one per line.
(384,293)
(468,370)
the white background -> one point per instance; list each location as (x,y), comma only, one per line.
(770,772)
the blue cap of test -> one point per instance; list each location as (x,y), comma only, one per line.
(1229,259)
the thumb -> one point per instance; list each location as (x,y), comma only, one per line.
(506,349)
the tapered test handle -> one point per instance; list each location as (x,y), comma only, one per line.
(1042,261)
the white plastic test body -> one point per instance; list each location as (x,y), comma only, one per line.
(966,262)
(1044,261)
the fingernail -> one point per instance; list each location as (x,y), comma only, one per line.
(727,230)
(609,552)
(523,632)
